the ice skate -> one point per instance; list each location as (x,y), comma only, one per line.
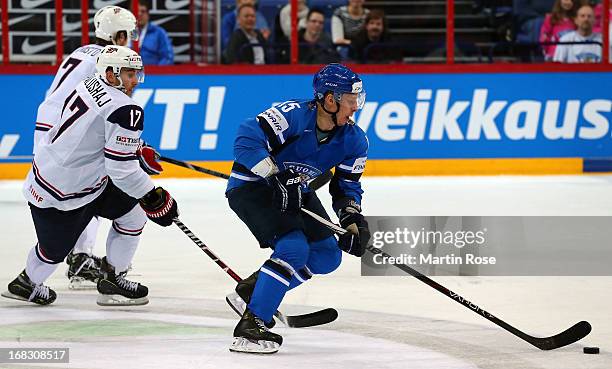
(115,290)
(239,299)
(252,336)
(22,288)
(83,271)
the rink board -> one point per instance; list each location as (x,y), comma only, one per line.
(493,123)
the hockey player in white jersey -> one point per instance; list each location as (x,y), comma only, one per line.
(86,166)
(113,26)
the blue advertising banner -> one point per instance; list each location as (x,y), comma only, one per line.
(194,117)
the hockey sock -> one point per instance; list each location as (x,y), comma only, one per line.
(300,277)
(123,238)
(324,256)
(87,240)
(272,284)
(120,249)
(38,270)
(290,254)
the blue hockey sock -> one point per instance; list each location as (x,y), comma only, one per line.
(272,284)
(300,277)
(275,276)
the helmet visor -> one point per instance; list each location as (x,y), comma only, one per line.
(140,75)
(353,101)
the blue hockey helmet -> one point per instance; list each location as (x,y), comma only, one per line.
(338,79)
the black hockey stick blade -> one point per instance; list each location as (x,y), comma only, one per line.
(315,318)
(318,317)
(575,333)
(567,337)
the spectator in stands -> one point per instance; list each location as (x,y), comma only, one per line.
(529,15)
(580,53)
(285,17)
(238,49)
(347,21)
(599,15)
(558,23)
(374,32)
(155,45)
(316,46)
(229,24)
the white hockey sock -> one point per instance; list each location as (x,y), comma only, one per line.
(123,238)
(38,270)
(87,240)
(120,249)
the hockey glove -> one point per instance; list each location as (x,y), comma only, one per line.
(159,206)
(148,159)
(287,190)
(356,239)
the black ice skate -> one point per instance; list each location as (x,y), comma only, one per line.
(115,290)
(22,288)
(83,271)
(244,289)
(252,336)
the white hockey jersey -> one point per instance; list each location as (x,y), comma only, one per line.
(78,66)
(95,140)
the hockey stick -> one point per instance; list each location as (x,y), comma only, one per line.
(315,184)
(575,333)
(295,321)
(187,165)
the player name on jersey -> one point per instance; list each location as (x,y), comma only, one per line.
(96,90)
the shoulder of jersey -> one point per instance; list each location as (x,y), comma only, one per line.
(121,109)
(124,111)
(289,109)
(128,116)
(356,136)
(91,50)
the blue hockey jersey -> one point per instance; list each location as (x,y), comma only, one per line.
(287,133)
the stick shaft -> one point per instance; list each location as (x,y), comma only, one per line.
(206,250)
(197,168)
(430,282)
(316,183)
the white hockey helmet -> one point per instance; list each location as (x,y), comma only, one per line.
(118,57)
(111,19)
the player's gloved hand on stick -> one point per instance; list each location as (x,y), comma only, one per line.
(148,158)
(287,190)
(356,239)
(160,207)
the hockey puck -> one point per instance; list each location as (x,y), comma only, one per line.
(591,350)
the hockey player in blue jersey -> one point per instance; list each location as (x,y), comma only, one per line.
(276,153)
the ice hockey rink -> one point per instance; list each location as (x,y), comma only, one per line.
(384,322)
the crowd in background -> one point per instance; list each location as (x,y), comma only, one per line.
(568,31)
(352,33)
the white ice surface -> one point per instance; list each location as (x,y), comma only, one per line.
(384,321)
